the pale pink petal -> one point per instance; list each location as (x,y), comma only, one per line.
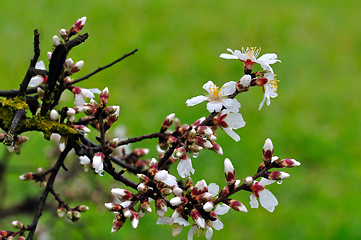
(232,134)
(229,88)
(214,106)
(231,104)
(217,224)
(213,189)
(191,232)
(195,100)
(221,209)
(267,200)
(209,233)
(227,56)
(253,202)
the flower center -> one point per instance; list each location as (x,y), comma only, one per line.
(274,84)
(251,52)
(216,93)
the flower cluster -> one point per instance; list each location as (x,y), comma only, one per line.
(178,202)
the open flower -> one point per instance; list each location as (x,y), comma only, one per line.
(228,121)
(184,167)
(81,93)
(270,88)
(217,97)
(249,56)
(37,80)
(266,198)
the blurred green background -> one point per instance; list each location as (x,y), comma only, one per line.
(315,119)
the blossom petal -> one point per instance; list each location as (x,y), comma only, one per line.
(35,81)
(209,233)
(40,65)
(234,120)
(185,168)
(217,224)
(191,232)
(163,220)
(222,209)
(267,200)
(227,56)
(214,106)
(232,134)
(195,100)
(231,104)
(253,202)
(229,88)
(240,55)
(213,189)
(265,181)
(269,58)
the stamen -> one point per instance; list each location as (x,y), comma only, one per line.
(251,52)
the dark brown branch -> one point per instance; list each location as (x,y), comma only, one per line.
(104,67)
(24,84)
(48,187)
(9,138)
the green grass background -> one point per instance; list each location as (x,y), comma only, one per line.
(315,119)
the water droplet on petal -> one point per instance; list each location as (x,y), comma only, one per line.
(279,182)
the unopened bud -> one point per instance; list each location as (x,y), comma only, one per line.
(27,176)
(69,214)
(229,172)
(217,148)
(103,98)
(277,175)
(244,82)
(82,208)
(208,206)
(267,150)
(248,181)
(60,211)
(17,224)
(54,115)
(77,66)
(56,40)
(76,215)
(140,152)
(168,121)
(176,201)
(113,207)
(142,188)
(238,206)
(134,219)
(197,218)
(63,33)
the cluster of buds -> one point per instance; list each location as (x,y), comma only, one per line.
(100,108)
(190,140)
(70,67)
(37,177)
(18,142)
(73,214)
(66,34)
(156,184)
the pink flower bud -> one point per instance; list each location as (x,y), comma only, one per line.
(134,219)
(17,224)
(122,194)
(140,152)
(113,207)
(118,222)
(248,181)
(56,40)
(176,201)
(142,188)
(197,218)
(204,197)
(208,206)
(113,144)
(82,208)
(78,25)
(103,98)
(60,211)
(143,178)
(168,121)
(63,33)
(267,150)
(77,66)
(277,175)
(238,206)
(161,207)
(229,172)
(217,148)
(27,176)
(54,115)
(98,163)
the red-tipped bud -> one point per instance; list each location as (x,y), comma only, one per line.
(238,206)
(165,191)
(267,150)
(113,207)
(176,201)
(69,214)
(17,224)
(142,188)
(78,25)
(81,128)
(76,67)
(134,219)
(76,216)
(143,178)
(27,176)
(200,187)
(113,144)
(203,197)
(217,148)
(244,82)
(260,81)
(203,142)
(122,194)
(168,121)
(248,181)
(287,163)
(141,152)
(208,206)
(229,172)
(103,98)
(189,182)
(82,208)
(161,207)
(145,207)
(205,130)
(197,218)
(277,175)
(118,222)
